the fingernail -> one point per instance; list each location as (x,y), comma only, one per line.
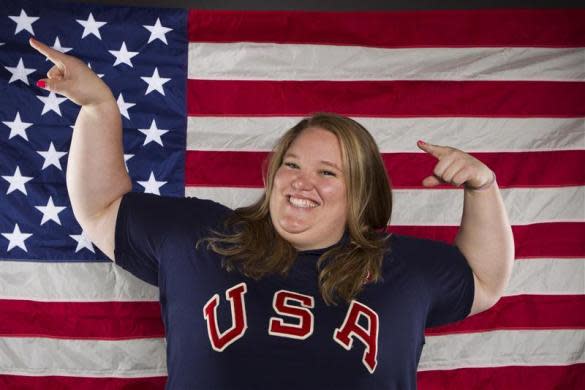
(41,84)
(421,142)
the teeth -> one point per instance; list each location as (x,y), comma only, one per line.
(302,203)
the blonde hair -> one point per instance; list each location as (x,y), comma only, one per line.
(344,267)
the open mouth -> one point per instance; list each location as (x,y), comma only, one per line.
(301,202)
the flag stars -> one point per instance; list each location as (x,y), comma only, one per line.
(50,212)
(19,72)
(51,157)
(90,26)
(153,134)
(57,46)
(155,83)
(24,22)
(82,242)
(157,31)
(123,56)
(17,182)
(18,127)
(16,239)
(51,103)
(152,186)
(124,106)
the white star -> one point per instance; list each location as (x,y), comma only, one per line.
(18,127)
(123,106)
(157,31)
(126,158)
(82,242)
(51,103)
(152,186)
(155,83)
(57,46)
(51,157)
(50,211)
(24,22)
(17,182)
(19,72)
(123,55)
(153,134)
(16,239)
(100,75)
(90,26)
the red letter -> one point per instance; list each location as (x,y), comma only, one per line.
(219,341)
(343,334)
(304,327)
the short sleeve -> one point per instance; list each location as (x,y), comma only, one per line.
(447,278)
(146,221)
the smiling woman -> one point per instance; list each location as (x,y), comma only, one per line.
(325,178)
(324,297)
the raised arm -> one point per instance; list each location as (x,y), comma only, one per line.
(96,175)
(485,235)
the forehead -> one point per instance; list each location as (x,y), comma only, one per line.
(316,140)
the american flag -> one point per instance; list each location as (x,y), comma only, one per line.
(205,94)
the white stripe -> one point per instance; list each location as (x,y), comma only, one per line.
(71,282)
(503,348)
(547,277)
(400,134)
(444,207)
(82,358)
(146,357)
(268,61)
(81,282)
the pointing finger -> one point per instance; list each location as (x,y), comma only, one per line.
(55,56)
(436,151)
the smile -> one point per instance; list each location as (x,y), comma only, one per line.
(301,203)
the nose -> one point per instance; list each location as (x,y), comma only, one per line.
(301,183)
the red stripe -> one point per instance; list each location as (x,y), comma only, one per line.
(74,320)
(542,240)
(407,170)
(523,312)
(84,321)
(386,98)
(16,382)
(513,377)
(452,28)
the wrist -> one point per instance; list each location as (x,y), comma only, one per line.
(489,184)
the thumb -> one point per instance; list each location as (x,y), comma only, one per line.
(431,181)
(53,85)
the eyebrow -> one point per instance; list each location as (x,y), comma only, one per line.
(324,162)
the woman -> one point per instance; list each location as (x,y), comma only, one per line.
(317,296)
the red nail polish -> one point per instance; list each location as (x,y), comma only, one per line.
(41,84)
(421,142)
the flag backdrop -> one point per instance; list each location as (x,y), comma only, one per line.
(205,94)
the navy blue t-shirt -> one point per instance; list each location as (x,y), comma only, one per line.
(226,331)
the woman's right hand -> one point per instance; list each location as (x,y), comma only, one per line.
(72,78)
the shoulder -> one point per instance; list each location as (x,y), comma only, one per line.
(173,213)
(423,254)
(410,245)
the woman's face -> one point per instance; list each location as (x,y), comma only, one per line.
(308,203)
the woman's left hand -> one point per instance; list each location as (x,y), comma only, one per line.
(457,168)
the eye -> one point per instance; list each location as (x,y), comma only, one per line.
(328,173)
(291,165)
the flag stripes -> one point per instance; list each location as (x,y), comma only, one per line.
(406,170)
(408,98)
(264,61)
(449,28)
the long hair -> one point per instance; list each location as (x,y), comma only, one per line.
(253,247)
